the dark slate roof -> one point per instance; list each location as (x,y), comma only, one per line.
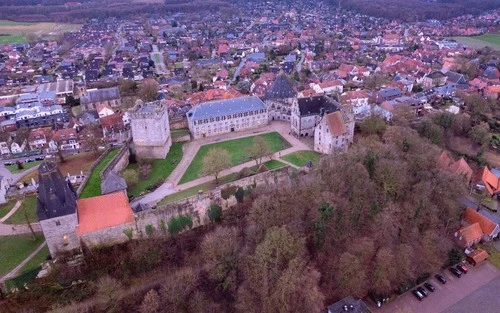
(317,105)
(454,77)
(435,74)
(281,89)
(390,92)
(112,183)
(56,197)
(100,95)
(352,306)
(225,107)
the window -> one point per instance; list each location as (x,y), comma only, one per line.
(58,223)
(65,240)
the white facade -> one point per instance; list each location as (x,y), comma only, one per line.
(225,116)
(334,133)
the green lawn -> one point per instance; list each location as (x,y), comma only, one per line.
(6,207)
(237,152)
(15,249)
(300,158)
(271,165)
(491,40)
(160,171)
(28,206)
(42,256)
(179,132)
(26,166)
(93,186)
(8,39)
(494,257)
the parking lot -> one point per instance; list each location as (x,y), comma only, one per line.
(476,291)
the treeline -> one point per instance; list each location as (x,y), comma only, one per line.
(373,219)
(411,11)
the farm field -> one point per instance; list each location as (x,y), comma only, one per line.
(490,40)
(15,32)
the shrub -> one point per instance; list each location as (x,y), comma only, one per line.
(163,227)
(455,255)
(215,213)
(149,229)
(227,192)
(245,172)
(131,176)
(179,223)
(145,169)
(128,233)
(239,194)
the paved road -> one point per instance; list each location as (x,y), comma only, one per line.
(190,149)
(472,288)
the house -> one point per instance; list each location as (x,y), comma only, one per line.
(485,180)
(37,138)
(112,124)
(224,116)
(104,110)
(489,228)
(459,167)
(357,99)
(65,139)
(350,305)
(93,97)
(4,148)
(307,113)
(434,79)
(477,256)
(328,87)
(279,98)
(469,235)
(334,133)
(387,94)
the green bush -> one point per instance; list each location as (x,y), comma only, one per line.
(179,223)
(128,233)
(149,229)
(227,192)
(239,194)
(455,255)
(215,213)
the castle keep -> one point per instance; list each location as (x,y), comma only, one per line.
(150,130)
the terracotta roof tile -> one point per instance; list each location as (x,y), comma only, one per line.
(101,212)
(443,160)
(335,123)
(472,217)
(490,181)
(470,233)
(462,168)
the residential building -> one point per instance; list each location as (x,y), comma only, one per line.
(490,229)
(307,113)
(434,79)
(334,133)
(104,110)
(357,99)
(37,138)
(459,167)
(224,116)
(487,182)
(65,139)
(328,87)
(150,130)
(93,97)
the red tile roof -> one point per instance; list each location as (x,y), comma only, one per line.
(335,123)
(487,225)
(443,160)
(102,212)
(462,168)
(490,181)
(470,233)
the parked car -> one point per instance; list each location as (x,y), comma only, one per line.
(440,278)
(429,287)
(455,272)
(29,160)
(423,291)
(418,295)
(462,268)
(39,157)
(376,299)
(9,163)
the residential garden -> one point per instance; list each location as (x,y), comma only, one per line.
(237,149)
(93,186)
(21,167)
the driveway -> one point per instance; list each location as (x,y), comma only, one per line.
(477,291)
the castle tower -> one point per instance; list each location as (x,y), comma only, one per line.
(56,209)
(151,130)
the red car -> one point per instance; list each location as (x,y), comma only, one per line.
(462,268)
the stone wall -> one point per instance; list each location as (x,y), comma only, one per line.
(182,138)
(178,123)
(197,206)
(60,233)
(119,162)
(108,236)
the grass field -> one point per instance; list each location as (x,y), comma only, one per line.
(300,158)
(15,249)
(14,32)
(93,186)
(30,270)
(6,207)
(161,169)
(26,166)
(237,153)
(28,206)
(176,133)
(491,40)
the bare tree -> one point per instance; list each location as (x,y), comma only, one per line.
(258,150)
(151,302)
(148,90)
(215,162)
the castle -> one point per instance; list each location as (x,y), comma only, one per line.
(150,130)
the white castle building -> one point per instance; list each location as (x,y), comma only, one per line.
(224,116)
(151,130)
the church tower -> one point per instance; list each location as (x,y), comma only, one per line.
(56,209)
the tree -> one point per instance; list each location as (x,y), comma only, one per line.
(151,302)
(351,276)
(148,90)
(131,177)
(127,87)
(215,162)
(480,134)
(258,150)
(215,213)
(109,293)
(92,135)
(373,125)
(461,124)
